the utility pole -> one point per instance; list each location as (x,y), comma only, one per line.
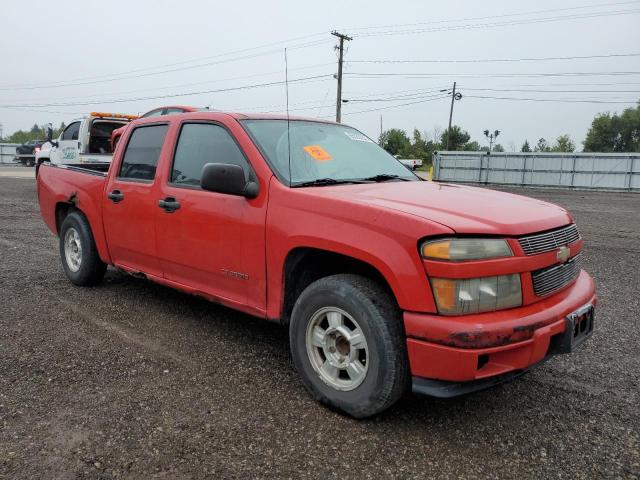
(340,48)
(454,96)
(380,129)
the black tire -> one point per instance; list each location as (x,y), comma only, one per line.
(91,269)
(375,311)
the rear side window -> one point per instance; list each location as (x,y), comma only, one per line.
(71,132)
(142,153)
(202,143)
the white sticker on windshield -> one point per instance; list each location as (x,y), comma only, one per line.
(357,136)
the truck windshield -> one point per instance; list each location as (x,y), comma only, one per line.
(323,153)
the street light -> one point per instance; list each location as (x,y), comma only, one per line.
(491,136)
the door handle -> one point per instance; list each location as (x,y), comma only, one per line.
(116,196)
(169,204)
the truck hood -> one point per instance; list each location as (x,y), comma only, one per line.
(462,208)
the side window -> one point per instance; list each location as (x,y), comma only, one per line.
(142,153)
(174,110)
(71,132)
(202,143)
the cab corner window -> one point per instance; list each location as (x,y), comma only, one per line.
(142,153)
(202,143)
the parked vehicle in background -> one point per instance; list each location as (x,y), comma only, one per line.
(85,140)
(26,153)
(385,282)
(411,163)
(156,112)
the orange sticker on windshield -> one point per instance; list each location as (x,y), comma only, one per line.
(317,153)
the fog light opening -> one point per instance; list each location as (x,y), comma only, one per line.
(483,360)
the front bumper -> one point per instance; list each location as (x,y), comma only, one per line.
(488,348)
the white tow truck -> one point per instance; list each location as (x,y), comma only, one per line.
(85,140)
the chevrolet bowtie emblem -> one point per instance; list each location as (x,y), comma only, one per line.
(562,255)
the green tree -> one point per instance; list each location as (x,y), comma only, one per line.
(563,144)
(498,148)
(542,146)
(525,146)
(472,146)
(35,133)
(395,141)
(459,138)
(615,133)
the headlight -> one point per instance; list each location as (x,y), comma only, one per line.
(460,249)
(474,295)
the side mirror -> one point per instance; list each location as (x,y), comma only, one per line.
(227,178)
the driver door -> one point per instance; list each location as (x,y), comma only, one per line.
(68,149)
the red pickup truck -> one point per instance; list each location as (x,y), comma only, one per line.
(385,282)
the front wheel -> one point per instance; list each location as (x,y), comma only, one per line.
(348,344)
(78,251)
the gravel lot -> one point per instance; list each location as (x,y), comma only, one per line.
(133,380)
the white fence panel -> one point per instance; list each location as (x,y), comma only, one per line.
(607,171)
(7,152)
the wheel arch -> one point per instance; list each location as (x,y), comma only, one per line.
(65,208)
(305,265)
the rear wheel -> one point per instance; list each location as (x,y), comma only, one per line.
(348,344)
(78,251)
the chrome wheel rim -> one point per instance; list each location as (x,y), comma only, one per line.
(72,249)
(337,348)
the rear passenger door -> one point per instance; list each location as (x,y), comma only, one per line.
(130,203)
(213,242)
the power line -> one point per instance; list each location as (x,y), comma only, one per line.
(484,75)
(97,98)
(127,75)
(498,24)
(571,84)
(559,100)
(504,15)
(396,106)
(549,91)
(155,97)
(496,60)
(395,92)
(408,96)
(93,82)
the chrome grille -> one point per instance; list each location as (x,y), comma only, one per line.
(545,242)
(553,278)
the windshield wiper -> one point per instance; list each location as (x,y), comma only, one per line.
(384,177)
(320,182)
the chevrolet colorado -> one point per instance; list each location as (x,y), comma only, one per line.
(385,282)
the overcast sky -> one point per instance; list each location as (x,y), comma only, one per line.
(92,53)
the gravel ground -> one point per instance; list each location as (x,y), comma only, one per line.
(133,380)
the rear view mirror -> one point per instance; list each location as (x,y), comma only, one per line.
(227,178)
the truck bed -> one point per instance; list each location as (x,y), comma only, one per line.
(62,185)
